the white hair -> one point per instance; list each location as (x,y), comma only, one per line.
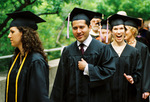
(122,13)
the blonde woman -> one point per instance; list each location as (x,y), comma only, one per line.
(132,30)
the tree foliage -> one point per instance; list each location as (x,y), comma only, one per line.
(50,10)
(134,8)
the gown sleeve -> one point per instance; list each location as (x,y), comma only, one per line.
(104,70)
(146,70)
(38,82)
(137,68)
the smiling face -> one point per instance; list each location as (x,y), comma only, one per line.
(118,33)
(80,30)
(15,37)
(94,23)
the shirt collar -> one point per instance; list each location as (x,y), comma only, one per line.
(86,42)
(93,33)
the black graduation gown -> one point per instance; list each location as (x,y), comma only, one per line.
(72,86)
(130,63)
(145,37)
(144,52)
(33,82)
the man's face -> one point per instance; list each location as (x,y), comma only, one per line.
(80,30)
(94,24)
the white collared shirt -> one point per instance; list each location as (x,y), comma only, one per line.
(86,43)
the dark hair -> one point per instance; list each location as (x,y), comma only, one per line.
(86,22)
(30,41)
(124,28)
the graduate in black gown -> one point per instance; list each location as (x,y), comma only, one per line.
(83,76)
(126,80)
(105,32)
(132,31)
(143,34)
(28,74)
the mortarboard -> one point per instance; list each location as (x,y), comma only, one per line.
(104,24)
(117,19)
(98,15)
(133,22)
(25,19)
(81,14)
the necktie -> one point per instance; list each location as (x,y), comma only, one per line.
(81,48)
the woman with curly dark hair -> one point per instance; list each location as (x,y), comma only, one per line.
(28,75)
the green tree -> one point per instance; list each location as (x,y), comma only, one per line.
(134,8)
(50,10)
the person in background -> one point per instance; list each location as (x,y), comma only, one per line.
(103,33)
(132,30)
(94,32)
(86,66)
(124,85)
(143,34)
(122,13)
(28,74)
(149,26)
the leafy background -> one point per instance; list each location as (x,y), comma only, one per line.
(53,32)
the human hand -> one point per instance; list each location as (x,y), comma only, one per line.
(82,64)
(145,95)
(129,78)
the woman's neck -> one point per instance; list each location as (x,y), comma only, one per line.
(118,44)
(118,47)
(131,40)
(21,50)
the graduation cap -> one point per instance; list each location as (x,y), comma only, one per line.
(104,25)
(25,19)
(117,19)
(79,14)
(98,15)
(134,22)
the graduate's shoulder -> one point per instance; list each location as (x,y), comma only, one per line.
(142,45)
(72,45)
(69,48)
(35,56)
(132,50)
(95,44)
(143,49)
(129,47)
